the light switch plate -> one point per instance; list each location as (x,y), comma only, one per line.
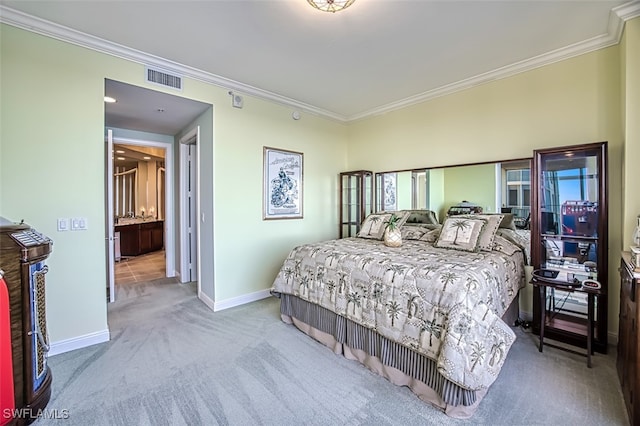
(63,224)
(79,223)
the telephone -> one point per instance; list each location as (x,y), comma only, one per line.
(550,276)
(592,284)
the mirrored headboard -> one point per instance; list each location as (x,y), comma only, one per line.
(494,187)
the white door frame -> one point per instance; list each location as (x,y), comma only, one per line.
(184,243)
(169,219)
(108,159)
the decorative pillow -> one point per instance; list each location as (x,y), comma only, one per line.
(413,232)
(507,221)
(374,225)
(485,243)
(461,233)
(422,216)
(503,245)
(432,235)
(519,237)
(427,226)
(421,231)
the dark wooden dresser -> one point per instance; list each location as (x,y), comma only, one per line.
(23,255)
(628,348)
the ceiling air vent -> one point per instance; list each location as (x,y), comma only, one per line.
(163,78)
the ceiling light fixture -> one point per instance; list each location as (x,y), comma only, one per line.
(109,100)
(331,5)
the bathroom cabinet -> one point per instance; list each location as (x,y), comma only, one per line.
(141,238)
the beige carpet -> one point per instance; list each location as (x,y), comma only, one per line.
(172,361)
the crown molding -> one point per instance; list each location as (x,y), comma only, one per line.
(627,11)
(617,17)
(40,26)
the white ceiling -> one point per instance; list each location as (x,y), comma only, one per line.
(147,110)
(375,56)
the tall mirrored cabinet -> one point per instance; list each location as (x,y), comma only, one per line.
(569,238)
(356,200)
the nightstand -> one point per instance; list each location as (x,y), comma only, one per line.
(542,284)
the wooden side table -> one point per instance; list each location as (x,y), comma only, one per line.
(592,293)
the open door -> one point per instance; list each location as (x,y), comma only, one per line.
(189,248)
(109,231)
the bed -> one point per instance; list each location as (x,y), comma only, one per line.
(434,314)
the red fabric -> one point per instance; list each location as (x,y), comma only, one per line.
(7,402)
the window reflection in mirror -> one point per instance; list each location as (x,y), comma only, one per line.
(516,184)
(569,184)
(569,214)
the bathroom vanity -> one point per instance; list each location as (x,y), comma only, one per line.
(140,237)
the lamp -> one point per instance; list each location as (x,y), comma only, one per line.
(330,5)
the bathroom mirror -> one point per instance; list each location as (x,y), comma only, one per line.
(138,183)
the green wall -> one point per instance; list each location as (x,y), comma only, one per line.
(404,192)
(476,184)
(204,124)
(52,142)
(630,76)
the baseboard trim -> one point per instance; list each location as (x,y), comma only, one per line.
(241,300)
(527,316)
(207,300)
(79,342)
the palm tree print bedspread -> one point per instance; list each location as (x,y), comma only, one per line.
(446,304)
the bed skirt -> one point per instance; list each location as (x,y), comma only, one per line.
(397,363)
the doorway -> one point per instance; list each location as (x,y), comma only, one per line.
(140,192)
(139,209)
(140,116)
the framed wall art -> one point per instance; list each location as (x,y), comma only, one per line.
(282,184)
(390,195)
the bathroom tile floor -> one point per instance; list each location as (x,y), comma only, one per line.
(143,268)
